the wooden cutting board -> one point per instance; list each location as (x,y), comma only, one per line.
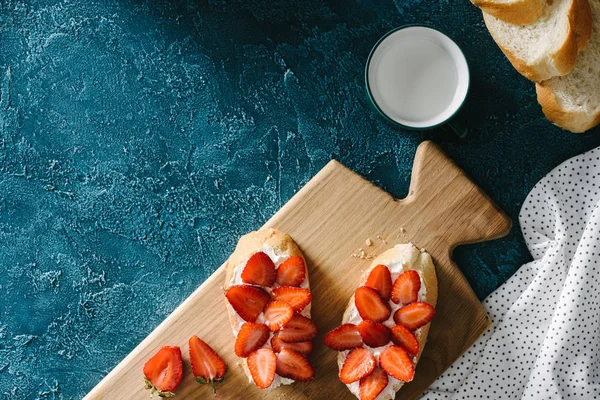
(331,218)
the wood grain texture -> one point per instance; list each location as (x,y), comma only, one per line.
(330,219)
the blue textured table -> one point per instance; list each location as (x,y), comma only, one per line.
(138,140)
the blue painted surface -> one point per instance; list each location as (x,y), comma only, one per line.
(139,139)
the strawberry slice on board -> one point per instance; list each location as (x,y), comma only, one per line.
(358,364)
(372,385)
(291,272)
(299,347)
(277,315)
(296,297)
(414,315)
(344,337)
(259,270)
(404,338)
(251,337)
(406,288)
(163,371)
(207,365)
(374,334)
(370,305)
(380,279)
(262,365)
(248,301)
(294,366)
(299,329)
(398,363)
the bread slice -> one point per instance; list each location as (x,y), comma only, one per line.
(408,257)
(573,101)
(518,12)
(549,46)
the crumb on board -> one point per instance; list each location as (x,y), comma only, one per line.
(382,239)
(402,230)
(363,255)
(368,242)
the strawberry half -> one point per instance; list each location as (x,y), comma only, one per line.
(259,270)
(163,371)
(294,366)
(372,385)
(291,272)
(396,362)
(344,337)
(277,315)
(248,301)
(359,363)
(299,347)
(296,297)
(207,365)
(373,334)
(380,279)
(406,288)
(251,337)
(262,365)
(299,329)
(404,338)
(414,315)
(370,306)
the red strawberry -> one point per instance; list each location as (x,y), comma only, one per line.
(373,334)
(298,347)
(414,315)
(163,371)
(380,279)
(396,362)
(294,366)
(344,337)
(359,363)
(259,270)
(207,365)
(251,337)
(262,364)
(406,288)
(372,385)
(296,297)
(299,329)
(277,314)
(370,306)
(247,301)
(404,338)
(291,272)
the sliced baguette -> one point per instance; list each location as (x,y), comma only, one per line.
(518,12)
(549,46)
(573,101)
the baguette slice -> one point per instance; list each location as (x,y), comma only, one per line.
(399,258)
(549,46)
(573,101)
(517,12)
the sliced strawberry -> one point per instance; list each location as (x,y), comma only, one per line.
(296,297)
(259,270)
(414,315)
(262,365)
(404,338)
(396,362)
(380,279)
(291,272)
(207,365)
(406,288)
(248,301)
(344,337)
(251,337)
(372,385)
(373,334)
(359,363)
(370,306)
(277,314)
(294,366)
(163,371)
(298,347)
(299,329)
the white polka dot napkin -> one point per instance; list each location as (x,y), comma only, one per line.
(544,340)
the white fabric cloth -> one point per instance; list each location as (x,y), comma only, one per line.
(544,340)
